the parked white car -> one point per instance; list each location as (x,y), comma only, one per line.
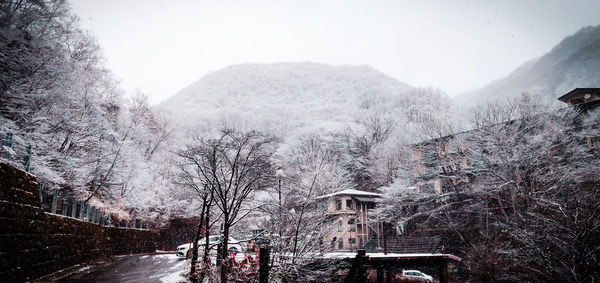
(416,275)
(186,249)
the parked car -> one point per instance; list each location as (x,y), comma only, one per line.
(415,276)
(186,249)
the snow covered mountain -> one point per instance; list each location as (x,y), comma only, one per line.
(282,96)
(574,62)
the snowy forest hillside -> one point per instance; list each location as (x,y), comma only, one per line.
(289,98)
(281,96)
(63,108)
(574,62)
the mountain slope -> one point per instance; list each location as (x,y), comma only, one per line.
(574,62)
(281,96)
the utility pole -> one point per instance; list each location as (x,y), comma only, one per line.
(279,175)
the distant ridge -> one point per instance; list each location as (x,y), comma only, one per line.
(282,95)
(574,62)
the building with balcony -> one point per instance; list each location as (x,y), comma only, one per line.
(347,212)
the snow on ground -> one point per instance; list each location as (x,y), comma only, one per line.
(380,255)
(342,255)
(351,192)
(176,270)
(166,256)
(178,267)
(402,255)
(173,278)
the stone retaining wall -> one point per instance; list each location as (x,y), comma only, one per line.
(34,243)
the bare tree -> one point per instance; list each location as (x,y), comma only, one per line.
(231,167)
(190,177)
(492,113)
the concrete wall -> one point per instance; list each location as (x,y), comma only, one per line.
(34,243)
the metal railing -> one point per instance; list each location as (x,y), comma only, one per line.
(406,245)
(15,150)
(18,152)
(60,203)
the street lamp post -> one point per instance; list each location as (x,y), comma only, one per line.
(279,175)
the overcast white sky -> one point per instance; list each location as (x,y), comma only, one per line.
(161,47)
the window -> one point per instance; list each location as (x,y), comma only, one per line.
(428,188)
(351,226)
(351,241)
(400,228)
(340,226)
(594,142)
(338,204)
(320,205)
(341,244)
(349,204)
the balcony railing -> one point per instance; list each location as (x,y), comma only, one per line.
(406,245)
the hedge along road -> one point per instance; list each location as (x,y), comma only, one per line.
(138,268)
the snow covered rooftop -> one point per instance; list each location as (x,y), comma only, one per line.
(343,255)
(351,192)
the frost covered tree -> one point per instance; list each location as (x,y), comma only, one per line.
(372,143)
(144,174)
(516,199)
(432,116)
(57,95)
(363,143)
(313,168)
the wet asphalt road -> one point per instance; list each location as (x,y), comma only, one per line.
(143,268)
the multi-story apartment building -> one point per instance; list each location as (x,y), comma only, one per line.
(439,163)
(348,212)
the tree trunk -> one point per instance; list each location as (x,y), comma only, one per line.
(196,239)
(501,206)
(513,200)
(205,258)
(206,243)
(224,248)
(297,230)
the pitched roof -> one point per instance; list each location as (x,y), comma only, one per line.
(578,90)
(351,192)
